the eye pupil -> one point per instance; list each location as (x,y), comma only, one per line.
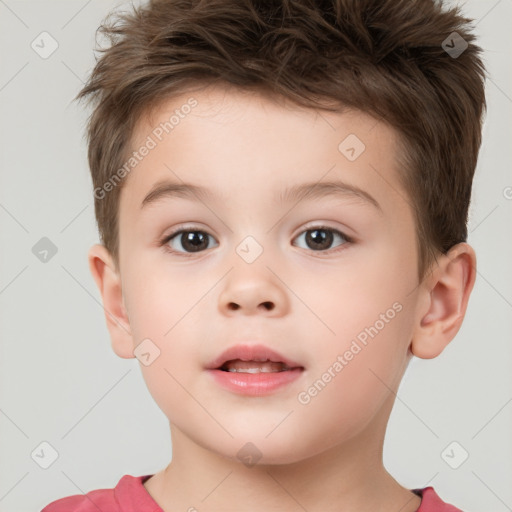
(195,239)
(319,237)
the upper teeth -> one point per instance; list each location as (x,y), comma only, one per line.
(252,370)
(254,366)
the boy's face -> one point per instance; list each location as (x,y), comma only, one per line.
(309,295)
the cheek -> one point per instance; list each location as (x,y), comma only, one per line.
(369,296)
(356,378)
(160,299)
(380,325)
(372,318)
(164,312)
(167,317)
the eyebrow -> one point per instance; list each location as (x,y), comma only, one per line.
(311,190)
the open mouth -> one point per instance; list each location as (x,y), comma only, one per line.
(254,370)
(239,366)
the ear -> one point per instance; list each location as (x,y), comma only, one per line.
(108,281)
(444,297)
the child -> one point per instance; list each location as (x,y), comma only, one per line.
(323,154)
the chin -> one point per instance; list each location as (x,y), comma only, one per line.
(253,451)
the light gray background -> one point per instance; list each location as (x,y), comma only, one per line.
(62,383)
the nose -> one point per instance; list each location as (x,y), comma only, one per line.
(267,305)
(260,293)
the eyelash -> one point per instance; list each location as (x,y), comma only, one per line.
(192,229)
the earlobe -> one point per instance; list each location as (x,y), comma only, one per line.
(108,282)
(445,295)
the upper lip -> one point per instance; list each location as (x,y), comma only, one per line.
(251,353)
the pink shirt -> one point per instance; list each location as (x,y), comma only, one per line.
(129,495)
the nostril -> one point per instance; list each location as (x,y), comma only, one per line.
(267,305)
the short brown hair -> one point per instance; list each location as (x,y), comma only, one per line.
(388,58)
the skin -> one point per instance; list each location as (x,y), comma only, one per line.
(307,304)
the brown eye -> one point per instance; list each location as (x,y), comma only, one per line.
(191,241)
(321,238)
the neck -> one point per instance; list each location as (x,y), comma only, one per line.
(346,478)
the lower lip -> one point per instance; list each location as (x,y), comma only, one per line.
(255,384)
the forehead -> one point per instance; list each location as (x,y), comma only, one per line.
(239,142)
